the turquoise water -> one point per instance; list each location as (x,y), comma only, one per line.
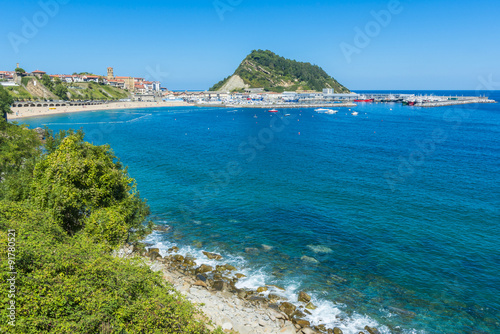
(389,218)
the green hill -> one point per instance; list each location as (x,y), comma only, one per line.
(265,69)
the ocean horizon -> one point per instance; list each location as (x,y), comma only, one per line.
(389,218)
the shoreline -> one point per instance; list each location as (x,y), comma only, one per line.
(26,112)
(208,281)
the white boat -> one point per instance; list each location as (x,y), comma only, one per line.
(326,111)
(355,113)
(287,114)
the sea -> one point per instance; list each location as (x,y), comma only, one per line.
(390,218)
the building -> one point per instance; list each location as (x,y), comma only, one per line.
(38,73)
(110,74)
(328,91)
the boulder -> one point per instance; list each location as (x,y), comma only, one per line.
(298,314)
(219,285)
(212,256)
(239,276)
(309,259)
(337,330)
(200,283)
(302,323)
(251,250)
(203,269)
(287,308)
(178,258)
(311,306)
(230,267)
(157,250)
(162,228)
(201,277)
(304,297)
(261,289)
(289,329)
(154,255)
(308,330)
(174,249)
(371,330)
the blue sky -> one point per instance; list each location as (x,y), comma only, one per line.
(438,44)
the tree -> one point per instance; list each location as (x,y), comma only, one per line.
(19,70)
(61,91)
(86,188)
(5,102)
(47,82)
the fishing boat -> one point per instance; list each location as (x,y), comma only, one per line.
(355,113)
(326,111)
(273,110)
(364,100)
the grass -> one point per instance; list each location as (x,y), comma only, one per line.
(19,93)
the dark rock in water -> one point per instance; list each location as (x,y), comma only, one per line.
(212,256)
(219,285)
(337,330)
(304,297)
(274,297)
(174,249)
(230,267)
(287,308)
(203,269)
(298,314)
(240,275)
(261,289)
(311,306)
(217,277)
(309,259)
(251,250)
(371,330)
(162,228)
(201,277)
(402,312)
(277,287)
(307,312)
(178,258)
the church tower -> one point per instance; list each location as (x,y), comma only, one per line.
(110,73)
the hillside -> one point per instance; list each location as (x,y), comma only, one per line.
(51,90)
(265,69)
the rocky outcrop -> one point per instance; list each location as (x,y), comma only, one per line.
(234,82)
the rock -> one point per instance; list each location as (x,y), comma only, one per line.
(289,329)
(174,249)
(178,258)
(217,277)
(304,297)
(309,259)
(402,312)
(200,283)
(372,330)
(302,323)
(319,249)
(287,308)
(311,306)
(338,279)
(298,314)
(230,267)
(239,276)
(266,248)
(241,294)
(219,285)
(277,287)
(307,330)
(212,256)
(203,269)
(154,255)
(201,277)
(162,228)
(337,330)
(261,289)
(251,250)
(274,297)
(157,250)
(227,326)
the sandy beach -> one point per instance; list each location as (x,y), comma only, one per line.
(24,112)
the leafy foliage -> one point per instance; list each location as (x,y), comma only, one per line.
(80,202)
(5,102)
(19,70)
(265,69)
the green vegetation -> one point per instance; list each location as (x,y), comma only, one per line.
(71,204)
(265,69)
(19,70)
(5,102)
(19,93)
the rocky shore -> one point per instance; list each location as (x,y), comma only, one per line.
(243,311)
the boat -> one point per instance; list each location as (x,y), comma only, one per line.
(364,100)
(287,114)
(326,111)
(355,113)
(273,110)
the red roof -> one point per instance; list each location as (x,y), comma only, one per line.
(38,71)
